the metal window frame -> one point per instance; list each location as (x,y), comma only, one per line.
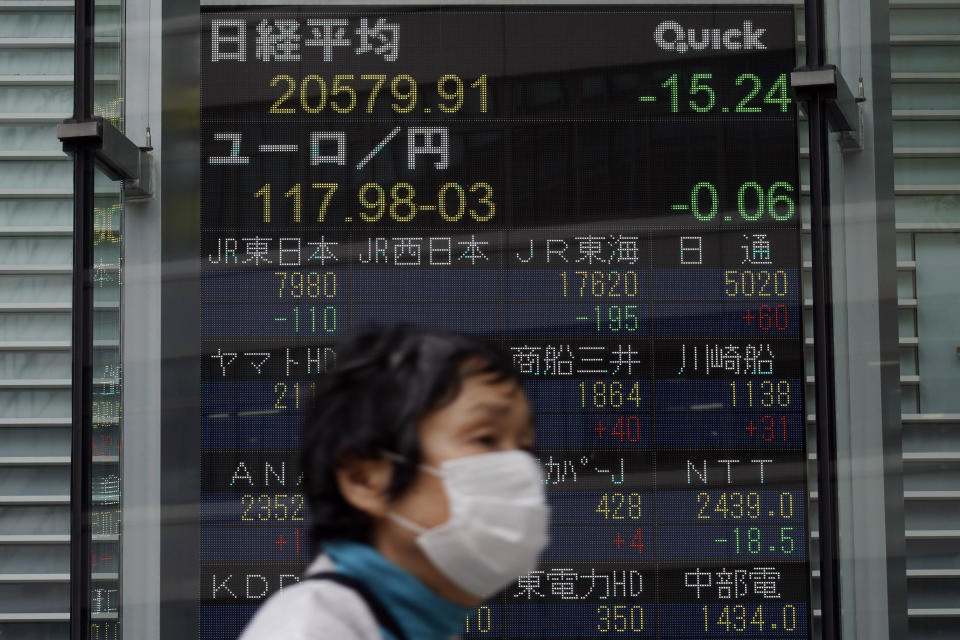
(92,142)
(868,536)
(81,468)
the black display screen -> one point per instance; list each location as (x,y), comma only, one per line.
(610,193)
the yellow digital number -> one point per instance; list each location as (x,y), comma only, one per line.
(291,89)
(342,95)
(767,393)
(740,618)
(264,192)
(619,506)
(295,194)
(328,188)
(481,84)
(732,505)
(400,202)
(283,402)
(442,197)
(310,284)
(340,87)
(619,618)
(603,284)
(403,88)
(755,284)
(320,96)
(486,199)
(378,81)
(277,507)
(401,198)
(377,204)
(789,617)
(600,394)
(480,621)
(456,95)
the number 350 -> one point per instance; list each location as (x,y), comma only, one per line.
(620,618)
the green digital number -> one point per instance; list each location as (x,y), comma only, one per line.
(754,201)
(750,210)
(700,212)
(673,83)
(696,87)
(778,93)
(617,318)
(744,105)
(703,97)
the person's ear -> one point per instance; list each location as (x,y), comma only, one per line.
(363,483)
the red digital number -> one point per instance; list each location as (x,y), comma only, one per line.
(769,317)
(767,428)
(624,429)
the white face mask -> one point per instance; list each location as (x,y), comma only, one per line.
(498,521)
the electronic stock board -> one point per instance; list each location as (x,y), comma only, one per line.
(611,193)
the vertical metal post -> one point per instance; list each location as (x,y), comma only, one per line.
(823,337)
(81,500)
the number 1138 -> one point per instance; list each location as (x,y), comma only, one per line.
(765,393)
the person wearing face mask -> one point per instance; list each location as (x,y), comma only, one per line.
(425,499)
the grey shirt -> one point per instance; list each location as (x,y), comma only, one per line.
(314,610)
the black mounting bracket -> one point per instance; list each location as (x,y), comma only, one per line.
(115,153)
(843,112)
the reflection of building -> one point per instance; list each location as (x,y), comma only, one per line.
(36,92)
(106,489)
(35,219)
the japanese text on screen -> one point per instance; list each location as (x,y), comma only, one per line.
(611,194)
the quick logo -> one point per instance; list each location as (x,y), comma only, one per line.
(670,35)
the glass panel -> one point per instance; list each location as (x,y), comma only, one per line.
(106,548)
(264,205)
(108,62)
(623,220)
(926,99)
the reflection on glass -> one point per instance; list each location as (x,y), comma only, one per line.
(108,63)
(107,437)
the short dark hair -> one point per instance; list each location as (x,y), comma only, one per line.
(371,402)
